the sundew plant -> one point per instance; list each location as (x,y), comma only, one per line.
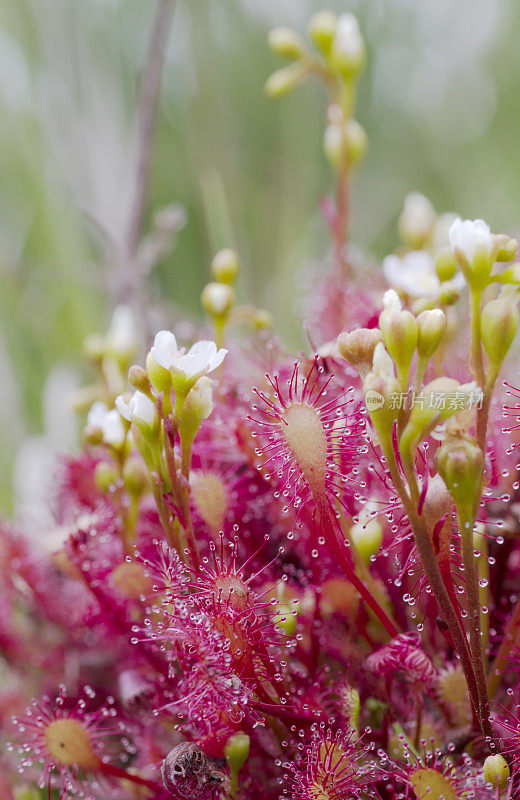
(285,575)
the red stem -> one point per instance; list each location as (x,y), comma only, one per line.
(329,531)
(117,772)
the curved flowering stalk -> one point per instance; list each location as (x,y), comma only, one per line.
(313,447)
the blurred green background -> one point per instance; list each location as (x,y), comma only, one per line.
(439,99)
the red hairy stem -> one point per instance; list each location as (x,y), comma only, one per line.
(328,527)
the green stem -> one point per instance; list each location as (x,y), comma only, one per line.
(476,357)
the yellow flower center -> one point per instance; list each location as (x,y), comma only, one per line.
(210,497)
(428,784)
(68,744)
(305,435)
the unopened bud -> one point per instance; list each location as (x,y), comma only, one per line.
(237,751)
(285,80)
(105,476)
(496,771)
(93,434)
(438,501)
(356,140)
(357,347)
(217,299)
(351,706)
(507,247)
(450,293)
(321,30)
(499,327)
(400,332)
(417,219)
(262,319)
(286,43)
(446,265)
(225,266)
(94,346)
(460,463)
(135,476)
(286,620)
(198,406)
(347,52)
(367,537)
(138,378)
(378,387)
(431,326)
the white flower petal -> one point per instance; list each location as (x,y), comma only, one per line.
(470,237)
(164,350)
(124,408)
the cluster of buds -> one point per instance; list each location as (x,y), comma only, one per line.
(423,269)
(219,298)
(338,59)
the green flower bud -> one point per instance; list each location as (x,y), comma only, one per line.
(262,319)
(105,476)
(286,620)
(225,266)
(237,751)
(496,771)
(507,247)
(400,333)
(352,706)
(135,476)
(285,80)
(217,299)
(138,378)
(94,347)
(321,30)
(431,326)
(286,43)
(460,463)
(347,52)
(450,293)
(197,406)
(416,222)
(379,386)
(446,265)
(367,538)
(357,347)
(334,145)
(356,140)
(499,327)
(160,378)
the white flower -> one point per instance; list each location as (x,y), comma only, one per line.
(201,358)
(417,217)
(109,421)
(348,42)
(471,237)
(139,409)
(122,336)
(391,301)
(413,274)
